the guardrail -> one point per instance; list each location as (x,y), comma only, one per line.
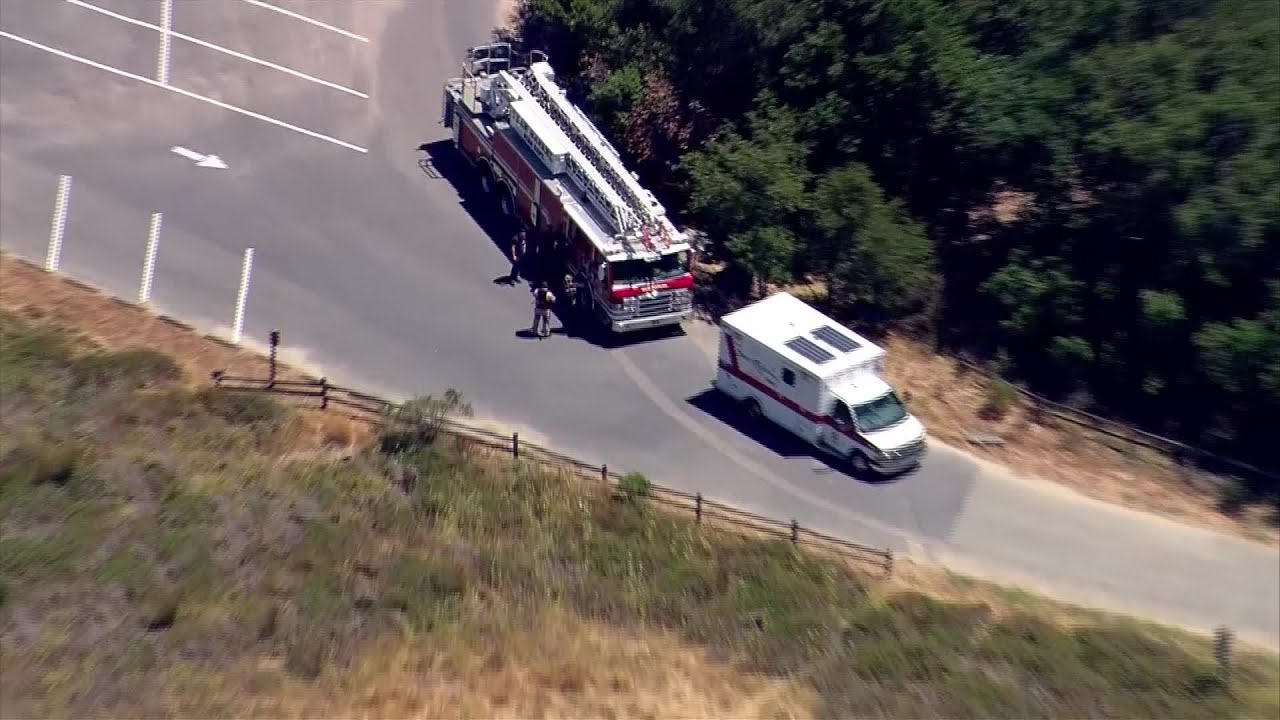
(1179,451)
(328,396)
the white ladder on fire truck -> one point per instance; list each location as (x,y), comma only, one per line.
(641,217)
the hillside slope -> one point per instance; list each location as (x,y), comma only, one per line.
(170,550)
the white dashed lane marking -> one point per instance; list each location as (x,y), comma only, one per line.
(186,93)
(213,46)
(304,18)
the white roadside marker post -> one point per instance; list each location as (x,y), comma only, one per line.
(166,24)
(149,263)
(242,296)
(59,225)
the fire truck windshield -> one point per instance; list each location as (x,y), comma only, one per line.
(664,268)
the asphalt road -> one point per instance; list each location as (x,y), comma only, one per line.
(382,276)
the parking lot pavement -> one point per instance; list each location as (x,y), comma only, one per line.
(236,55)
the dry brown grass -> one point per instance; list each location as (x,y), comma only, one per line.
(114,324)
(560,666)
(948,398)
(36,294)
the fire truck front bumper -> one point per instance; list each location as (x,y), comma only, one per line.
(630,324)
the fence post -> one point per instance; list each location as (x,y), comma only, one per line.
(1222,639)
(795,531)
(888,563)
(324,393)
(515,445)
(274,339)
(697,507)
(604,473)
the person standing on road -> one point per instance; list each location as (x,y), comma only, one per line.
(519,247)
(570,292)
(543,301)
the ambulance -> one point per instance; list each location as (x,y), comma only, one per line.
(785,361)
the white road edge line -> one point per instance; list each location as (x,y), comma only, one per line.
(242,296)
(669,408)
(304,18)
(149,263)
(59,226)
(166,33)
(187,93)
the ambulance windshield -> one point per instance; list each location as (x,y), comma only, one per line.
(883,412)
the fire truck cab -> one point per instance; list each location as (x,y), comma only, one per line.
(548,166)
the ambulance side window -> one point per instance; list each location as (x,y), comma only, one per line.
(788,377)
(842,416)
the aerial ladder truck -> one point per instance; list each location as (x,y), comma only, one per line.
(549,167)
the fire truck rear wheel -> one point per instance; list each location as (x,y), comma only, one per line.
(486,181)
(508,205)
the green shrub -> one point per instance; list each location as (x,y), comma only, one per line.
(635,485)
(306,658)
(1001,398)
(321,595)
(129,569)
(29,353)
(23,556)
(241,408)
(422,577)
(56,465)
(417,423)
(159,609)
(425,588)
(125,369)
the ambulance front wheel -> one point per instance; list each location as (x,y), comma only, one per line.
(751,407)
(859,463)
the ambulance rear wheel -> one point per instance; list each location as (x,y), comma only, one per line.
(859,463)
(751,407)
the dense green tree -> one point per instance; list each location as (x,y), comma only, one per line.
(1088,188)
(751,189)
(880,257)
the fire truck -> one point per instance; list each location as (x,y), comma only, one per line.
(550,168)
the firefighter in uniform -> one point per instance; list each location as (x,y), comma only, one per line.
(519,247)
(570,291)
(543,300)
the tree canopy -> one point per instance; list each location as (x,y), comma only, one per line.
(1088,188)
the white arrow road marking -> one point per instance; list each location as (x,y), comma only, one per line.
(212,161)
(201,160)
